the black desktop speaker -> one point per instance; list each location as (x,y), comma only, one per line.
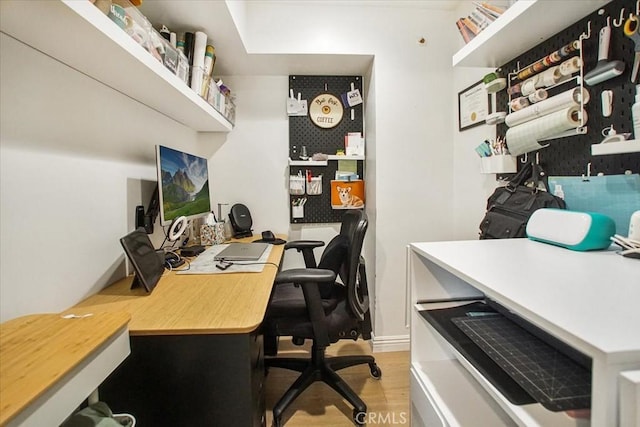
(241,220)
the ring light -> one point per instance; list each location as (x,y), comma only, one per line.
(177,228)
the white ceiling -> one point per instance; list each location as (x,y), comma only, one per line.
(214,18)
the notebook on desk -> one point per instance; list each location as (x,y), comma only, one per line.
(242,252)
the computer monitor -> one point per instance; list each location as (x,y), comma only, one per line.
(183,185)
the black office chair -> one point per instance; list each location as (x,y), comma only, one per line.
(308,303)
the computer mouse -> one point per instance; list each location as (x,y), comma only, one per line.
(268,236)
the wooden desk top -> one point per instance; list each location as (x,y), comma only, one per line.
(191,304)
(38,350)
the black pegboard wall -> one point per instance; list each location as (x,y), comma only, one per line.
(570,156)
(318,208)
(302,132)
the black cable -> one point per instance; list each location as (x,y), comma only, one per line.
(188,265)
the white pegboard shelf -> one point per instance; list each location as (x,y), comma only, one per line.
(629,146)
(307,162)
(322,162)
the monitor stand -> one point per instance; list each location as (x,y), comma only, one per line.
(135,283)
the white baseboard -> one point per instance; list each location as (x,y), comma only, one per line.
(390,343)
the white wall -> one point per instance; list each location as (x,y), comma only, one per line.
(251,167)
(470,187)
(75,159)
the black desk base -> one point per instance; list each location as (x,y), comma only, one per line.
(193,380)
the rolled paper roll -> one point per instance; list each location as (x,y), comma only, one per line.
(529,86)
(549,60)
(538,95)
(570,66)
(524,138)
(566,99)
(550,77)
(515,89)
(518,103)
(569,49)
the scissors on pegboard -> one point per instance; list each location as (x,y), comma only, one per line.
(631,30)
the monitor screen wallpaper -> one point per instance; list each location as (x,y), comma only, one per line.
(183,185)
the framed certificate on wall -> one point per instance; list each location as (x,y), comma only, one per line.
(473,106)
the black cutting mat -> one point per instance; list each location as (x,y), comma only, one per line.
(552,378)
(440,319)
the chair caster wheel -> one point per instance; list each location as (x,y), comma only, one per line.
(375,371)
(359,418)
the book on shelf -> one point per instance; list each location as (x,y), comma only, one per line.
(479,20)
(490,9)
(466,33)
(471,26)
(189,41)
(487,16)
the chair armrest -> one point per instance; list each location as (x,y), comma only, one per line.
(303,244)
(306,247)
(305,275)
(309,279)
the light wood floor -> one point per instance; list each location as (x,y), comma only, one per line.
(387,399)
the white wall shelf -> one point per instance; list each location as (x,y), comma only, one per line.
(630,146)
(336,157)
(322,162)
(77,34)
(506,38)
(307,162)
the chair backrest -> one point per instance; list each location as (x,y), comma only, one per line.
(354,226)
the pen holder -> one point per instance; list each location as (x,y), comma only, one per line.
(212,234)
(297,211)
(207,234)
(296,185)
(314,186)
(219,234)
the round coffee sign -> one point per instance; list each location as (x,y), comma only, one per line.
(326,111)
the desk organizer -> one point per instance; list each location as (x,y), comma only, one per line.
(296,185)
(314,186)
(498,164)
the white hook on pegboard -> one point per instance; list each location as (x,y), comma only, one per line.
(584,35)
(618,23)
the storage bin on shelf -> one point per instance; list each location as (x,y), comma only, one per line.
(220,99)
(133,22)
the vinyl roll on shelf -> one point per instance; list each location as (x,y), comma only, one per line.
(524,138)
(559,102)
(200,46)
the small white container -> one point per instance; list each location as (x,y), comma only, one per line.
(498,164)
(297,211)
(296,185)
(314,186)
(635,113)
